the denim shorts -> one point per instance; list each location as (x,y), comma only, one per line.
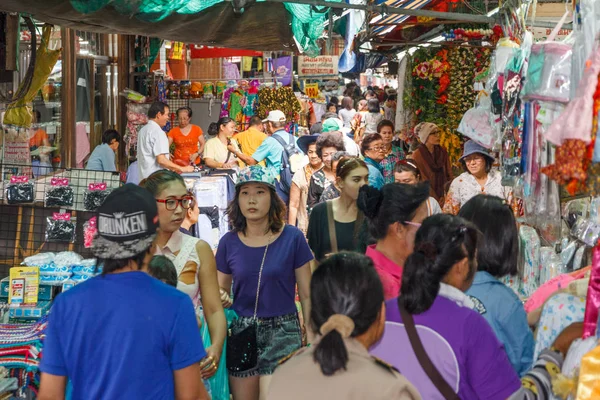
(276,338)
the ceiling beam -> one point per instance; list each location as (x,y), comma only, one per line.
(385,9)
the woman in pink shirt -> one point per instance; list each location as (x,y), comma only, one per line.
(394,214)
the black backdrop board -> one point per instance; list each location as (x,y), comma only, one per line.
(23,226)
(22,234)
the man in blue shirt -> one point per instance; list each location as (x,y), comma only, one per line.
(270,149)
(124,334)
(103,156)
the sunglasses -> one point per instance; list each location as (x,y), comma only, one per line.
(171,204)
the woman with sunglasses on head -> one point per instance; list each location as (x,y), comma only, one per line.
(479,178)
(196,271)
(298,212)
(332,191)
(432,325)
(394,214)
(216,151)
(188,138)
(432,159)
(264,259)
(349,314)
(407,172)
(335,224)
(497,258)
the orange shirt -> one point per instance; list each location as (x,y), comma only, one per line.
(186,145)
(38,139)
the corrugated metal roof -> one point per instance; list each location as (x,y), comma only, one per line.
(397,18)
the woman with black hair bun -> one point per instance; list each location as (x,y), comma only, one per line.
(394,214)
(348,312)
(497,258)
(432,325)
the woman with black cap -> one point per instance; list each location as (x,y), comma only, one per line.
(478,178)
(297,213)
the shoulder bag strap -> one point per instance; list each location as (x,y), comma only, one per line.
(432,372)
(262,264)
(331,223)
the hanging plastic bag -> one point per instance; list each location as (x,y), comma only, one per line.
(19,190)
(549,69)
(95,195)
(19,113)
(60,228)
(59,194)
(475,123)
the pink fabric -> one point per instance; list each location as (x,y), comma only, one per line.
(592,304)
(82,143)
(576,120)
(537,299)
(389,272)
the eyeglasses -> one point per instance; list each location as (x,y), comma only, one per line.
(377,148)
(171,204)
(415,224)
(475,158)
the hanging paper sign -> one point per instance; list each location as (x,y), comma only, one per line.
(311,90)
(16,152)
(320,65)
(177,51)
(283,70)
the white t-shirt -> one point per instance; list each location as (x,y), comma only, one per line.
(152,142)
(351,147)
(347,116)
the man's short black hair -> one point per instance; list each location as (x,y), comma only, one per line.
(157,107)
(109,135)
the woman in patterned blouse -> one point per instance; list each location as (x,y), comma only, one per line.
(393,153)
(478,178)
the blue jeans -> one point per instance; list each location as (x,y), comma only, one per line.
(276,338)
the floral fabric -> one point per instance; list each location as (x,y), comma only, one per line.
(256,173)
(560,311)
(465,187)
(389,162)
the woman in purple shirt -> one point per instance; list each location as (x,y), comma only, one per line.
(459,342)
(264,258)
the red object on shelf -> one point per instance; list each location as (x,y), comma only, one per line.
(198,51)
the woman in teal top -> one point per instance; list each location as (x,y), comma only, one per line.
(373,150)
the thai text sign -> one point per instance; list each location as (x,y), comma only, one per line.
(320,65)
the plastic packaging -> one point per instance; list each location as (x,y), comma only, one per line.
(39,260)
(67,258)
(530,244)
(59,194)
(475,123)
(549,74)
(90,230)
(53,280)
(19,190)
(60,228)
(592,304)
(95,195)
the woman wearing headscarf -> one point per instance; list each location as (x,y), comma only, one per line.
(432,159)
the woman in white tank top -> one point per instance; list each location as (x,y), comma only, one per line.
(195,264)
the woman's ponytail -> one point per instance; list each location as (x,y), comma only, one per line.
(420,285)
(347,297)
(441,242)
(331,353)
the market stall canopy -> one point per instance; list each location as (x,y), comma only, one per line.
(263,26)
